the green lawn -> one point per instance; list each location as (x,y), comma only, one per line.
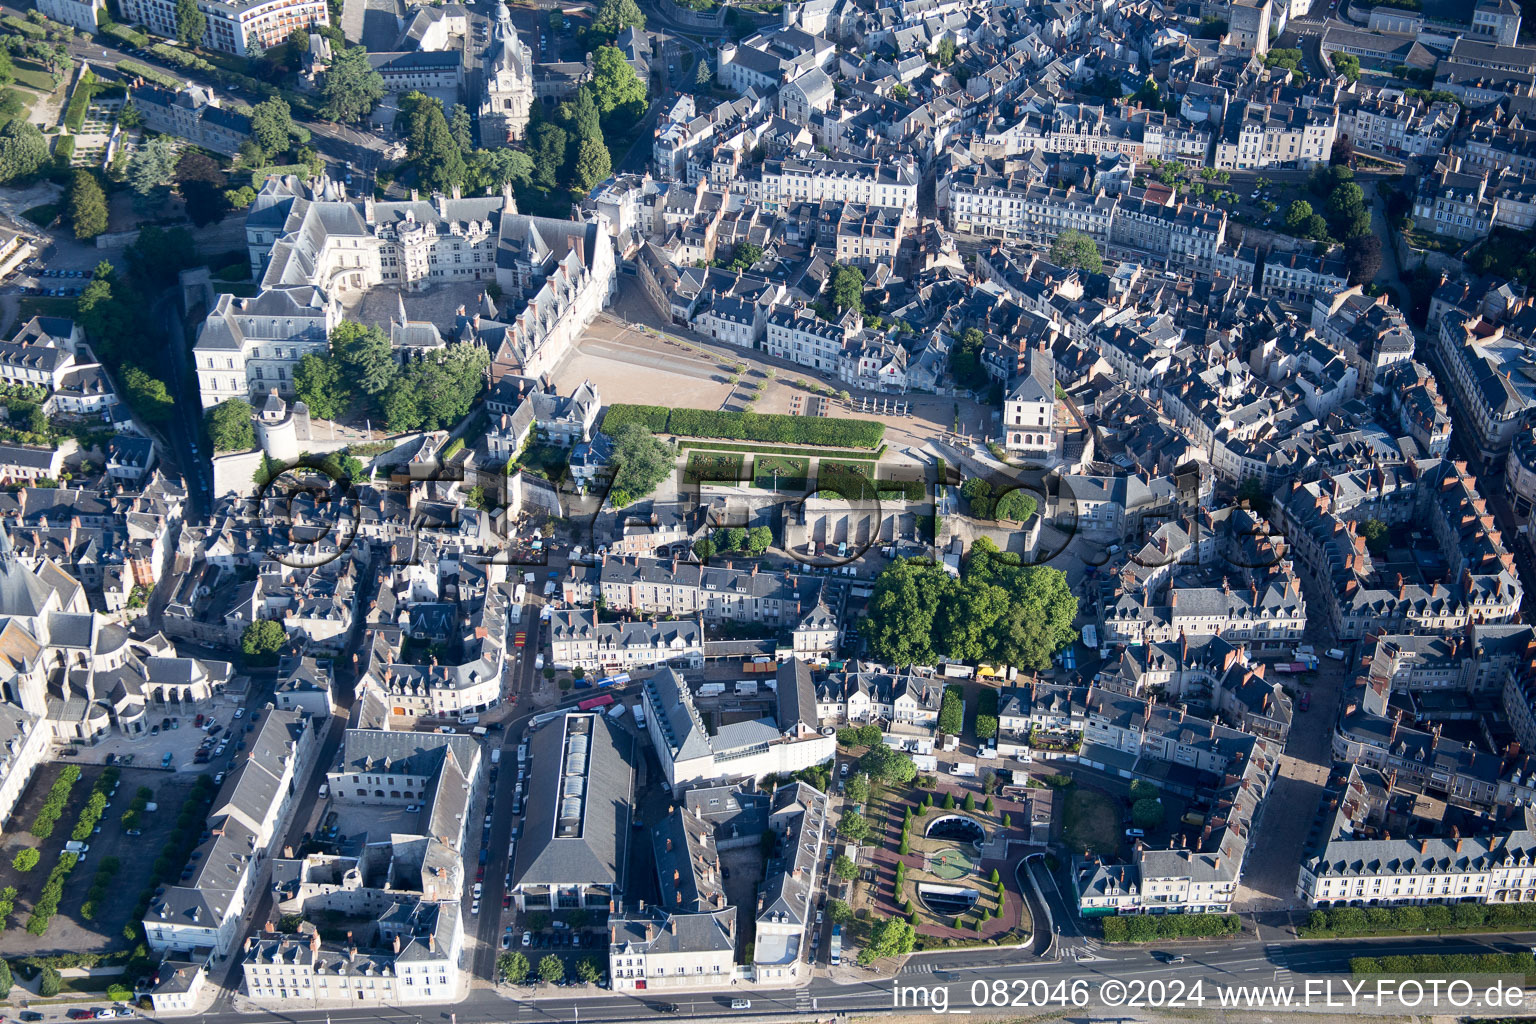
(1091,821)
(547,460)
(43,215)
(850,479)
(722,467)
(34,76)
(792,472)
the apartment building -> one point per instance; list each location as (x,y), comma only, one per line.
(779,184)
(798,334)
(579,640)
(1492,375)
(240,27)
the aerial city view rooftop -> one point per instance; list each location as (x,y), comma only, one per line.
(822,510)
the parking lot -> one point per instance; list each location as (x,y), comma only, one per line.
(136,856)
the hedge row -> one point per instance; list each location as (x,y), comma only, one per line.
(126,35)
(1462,917)
(178,846)
(23,26)
(1150,928)
(80,100)
(1448,965)
(7,905)
(300,105)
(135,809)
(846,454)
(100,886)
(95,806)
(53,890)
(53,807)
(747,426)
(150,74)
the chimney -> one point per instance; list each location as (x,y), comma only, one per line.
(397,944)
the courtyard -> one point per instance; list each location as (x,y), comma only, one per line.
(70,930)
(957,874)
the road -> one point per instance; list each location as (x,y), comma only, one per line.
(964,979)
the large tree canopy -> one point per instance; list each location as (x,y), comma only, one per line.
(997,610)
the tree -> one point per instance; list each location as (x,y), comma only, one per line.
(952,711)
(1375,533)
(614,16)
(1362,254)
(847,288)
(945,52)
(839,910)
(901,612)
(363,355)
(730,538)
(640,459)
(230,426)
(885,765)
(702,76)
(23,150)
(1073,249)
(552,969)
(262,638)
(986,726)
(843,867)
(202,187)
(462,127)
(272,126)
(1017,505)
(759,540)
(27,859)
(352,87)
(704,548)
(900,92)
(587,970)
(191,23)
(990,807)
(1348,65)
(7,69)
(434,153)
(1297,216)
(146,395)
(153,166)
(87,205)
(546,146)
(490,169)
(893,936)
(978,494)
(616,89)
(745,254)
(6,981)
(1348,215)
(970,802)
(1147,814)
(853,827)
(593,164)
(949,801)
(857,788)
(318,384)
(49,982)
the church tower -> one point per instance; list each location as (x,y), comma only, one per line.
(508,84)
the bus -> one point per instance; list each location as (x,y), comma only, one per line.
(835,953)
(593,703)
(618,680)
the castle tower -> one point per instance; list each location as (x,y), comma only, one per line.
(508,84)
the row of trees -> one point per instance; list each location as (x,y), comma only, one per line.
(359,376)
(1462,917)
(997,611)
(733,539)
(514,968)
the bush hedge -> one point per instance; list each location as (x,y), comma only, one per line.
(53,807)
(1343,922)
(27,859)
(1450,965)
(1147,928)
(101,885)
(747,426)
(7,905)
(80,100)
(53,890)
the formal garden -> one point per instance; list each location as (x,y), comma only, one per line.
(933,856)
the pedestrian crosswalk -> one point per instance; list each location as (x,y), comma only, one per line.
(802,1001)
(917,968)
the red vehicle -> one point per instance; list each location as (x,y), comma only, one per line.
(1306,699)
(596,702)
(81,1015)
(522,640)
(199,721)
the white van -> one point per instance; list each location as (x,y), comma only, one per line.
(741,1004)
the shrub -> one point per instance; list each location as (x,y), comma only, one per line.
(50,983)
(119,993)
(6,981)
(26,860)
(7,904)
(1169,926)
(949,801)
(1007,820)
(53,806)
